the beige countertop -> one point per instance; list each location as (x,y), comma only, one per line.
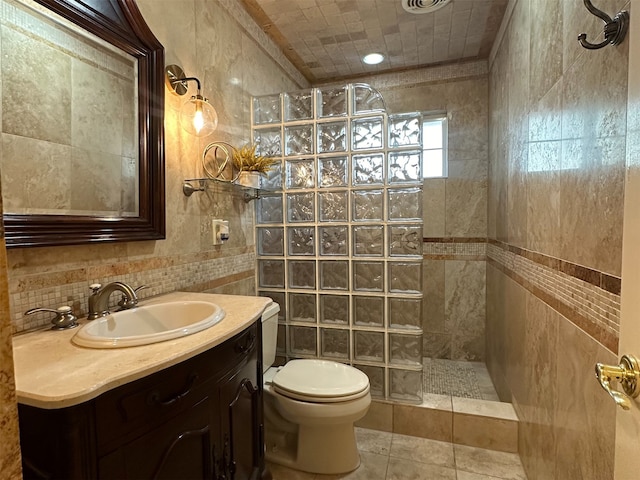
(52,372)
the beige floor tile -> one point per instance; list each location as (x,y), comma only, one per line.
(474,476)
(283,473)
(487,462)
(372,467)
(373,441)
(422,450)
(400,469)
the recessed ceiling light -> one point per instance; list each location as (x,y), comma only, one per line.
(373,58)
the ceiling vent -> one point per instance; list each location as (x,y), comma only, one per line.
(423,6)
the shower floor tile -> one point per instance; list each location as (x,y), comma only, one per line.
(458,379)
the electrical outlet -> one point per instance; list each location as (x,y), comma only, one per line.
(219,231)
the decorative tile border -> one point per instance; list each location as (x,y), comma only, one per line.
(192,272)
(588,298)
(584,302)
(454,248)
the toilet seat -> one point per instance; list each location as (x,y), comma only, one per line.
(320,381)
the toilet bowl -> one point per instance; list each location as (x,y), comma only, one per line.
(310,408)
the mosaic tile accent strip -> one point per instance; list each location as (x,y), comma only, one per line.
(591,308)
(454,249)
(166,275)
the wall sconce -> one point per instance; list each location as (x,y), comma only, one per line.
(197,115)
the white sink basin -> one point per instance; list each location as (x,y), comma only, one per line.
(149,324)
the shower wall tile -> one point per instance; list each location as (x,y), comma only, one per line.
(433,300)
(466,198)
(594,128)
(465,308)
(538,405)
(583,414)
(544,178)
(546,57)
(456,205)
(433,207)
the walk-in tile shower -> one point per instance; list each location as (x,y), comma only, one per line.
(339,231)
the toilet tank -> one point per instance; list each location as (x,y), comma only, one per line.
(269,335)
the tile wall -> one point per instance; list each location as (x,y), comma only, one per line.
(232,68)
(203,37)
(557,144)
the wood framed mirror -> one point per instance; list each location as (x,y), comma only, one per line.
(119,26)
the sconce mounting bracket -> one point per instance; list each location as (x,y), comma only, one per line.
(175,79)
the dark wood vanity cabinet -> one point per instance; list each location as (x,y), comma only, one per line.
(200,419)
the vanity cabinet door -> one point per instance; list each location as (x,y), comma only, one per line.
(242,426)
(181,449)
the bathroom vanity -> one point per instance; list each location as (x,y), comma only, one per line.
(197,414)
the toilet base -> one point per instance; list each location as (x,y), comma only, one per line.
(318,449)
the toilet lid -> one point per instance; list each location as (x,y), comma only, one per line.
(310,379)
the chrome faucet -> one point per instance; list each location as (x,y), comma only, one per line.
(99,299)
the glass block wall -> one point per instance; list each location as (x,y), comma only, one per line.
(339,232)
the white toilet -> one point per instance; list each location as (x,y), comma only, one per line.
(310,408)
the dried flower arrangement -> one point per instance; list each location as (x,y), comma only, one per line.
(246,160)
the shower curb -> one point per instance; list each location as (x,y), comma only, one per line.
(475,423)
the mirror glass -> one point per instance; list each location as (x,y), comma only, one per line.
(69,118)
(82,139)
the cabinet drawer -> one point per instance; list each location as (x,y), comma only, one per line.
(135,408)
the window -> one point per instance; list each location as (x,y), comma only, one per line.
(434,146)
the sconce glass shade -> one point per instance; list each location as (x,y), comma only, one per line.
(198,117)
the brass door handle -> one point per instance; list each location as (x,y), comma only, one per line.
(626,374)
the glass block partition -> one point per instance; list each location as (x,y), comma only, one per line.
(339,234)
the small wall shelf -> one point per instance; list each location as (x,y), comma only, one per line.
(191,185)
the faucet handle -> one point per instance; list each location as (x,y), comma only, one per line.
(94,287)
(63,320)
(126,302)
